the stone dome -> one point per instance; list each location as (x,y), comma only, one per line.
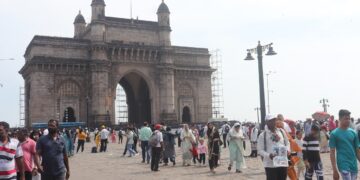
(163,8)
(79,19)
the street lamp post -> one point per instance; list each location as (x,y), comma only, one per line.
(259,51)
(257,109)
(268,90)
(325,104)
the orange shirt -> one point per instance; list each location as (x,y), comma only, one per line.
(81,136)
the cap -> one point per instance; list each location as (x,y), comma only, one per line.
(157,126)
(270,117)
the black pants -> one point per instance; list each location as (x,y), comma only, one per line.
(135,145)
(120,139)
(279,173)
(52,177)
(80,144)
(179,141)
(28,176)
(202,158)
(195,158)
(125,150)
(316,167)
(213,162)
(224,139)
(155,158)
(103,145)
(253,153)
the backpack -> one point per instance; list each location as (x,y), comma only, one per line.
(153,141)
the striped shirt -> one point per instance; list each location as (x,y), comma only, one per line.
(8,153)
(311,149)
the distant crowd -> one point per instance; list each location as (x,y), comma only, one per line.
(287,148)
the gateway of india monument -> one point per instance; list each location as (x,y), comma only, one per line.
(75,79)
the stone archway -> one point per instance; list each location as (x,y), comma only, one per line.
(186,115)
(138,98)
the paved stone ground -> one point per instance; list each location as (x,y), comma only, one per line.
(112,166)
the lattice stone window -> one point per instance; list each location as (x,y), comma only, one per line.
(69,89)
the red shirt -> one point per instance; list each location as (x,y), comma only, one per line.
(29,151)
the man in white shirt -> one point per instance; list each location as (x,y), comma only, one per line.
(269,143)
(104,134)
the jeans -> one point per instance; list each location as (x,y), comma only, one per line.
(103,145)
(318,168)
(155,158)
(145,151)
(347,175)
(129,148)
(279,173)
(80,144)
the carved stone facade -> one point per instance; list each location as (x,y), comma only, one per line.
(163,83)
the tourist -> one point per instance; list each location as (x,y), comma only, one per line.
(202,149)
(35,135)
(28,147)
(81,141)
(113,136)
(104,135)
(130,142)
(300,165)
(253,140)
(331,124)
(344,141)
(187,140)
(97,140)
(169,147)
(236,138)
(294,148)
(307,126)
(157,148)
(68,142)
(11,155)
(120,134)
(270,139)
(136,137)
(224,131)
(214,143)
(144,136)
(324,140)
(51,148)
(311,154)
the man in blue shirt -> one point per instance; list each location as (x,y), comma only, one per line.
(344,141)
(52,149)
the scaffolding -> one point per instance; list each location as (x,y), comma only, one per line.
(217,85)
(22,107)
(121,112)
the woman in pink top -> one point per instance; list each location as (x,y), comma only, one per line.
(202,149)
(332,124)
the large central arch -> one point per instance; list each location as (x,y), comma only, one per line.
(138,98)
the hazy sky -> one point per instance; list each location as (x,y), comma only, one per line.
(317,44)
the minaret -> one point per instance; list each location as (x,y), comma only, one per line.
(164,24)
(98,9)
(79,25)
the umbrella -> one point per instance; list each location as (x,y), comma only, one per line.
(321,116)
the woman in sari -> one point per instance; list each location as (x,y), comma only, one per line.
(187,139)
(213,146)
(236,138)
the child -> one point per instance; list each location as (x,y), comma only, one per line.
(202,149)
(300,165)
(97,140)
(311,154)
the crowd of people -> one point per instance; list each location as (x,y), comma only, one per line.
(287,148)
